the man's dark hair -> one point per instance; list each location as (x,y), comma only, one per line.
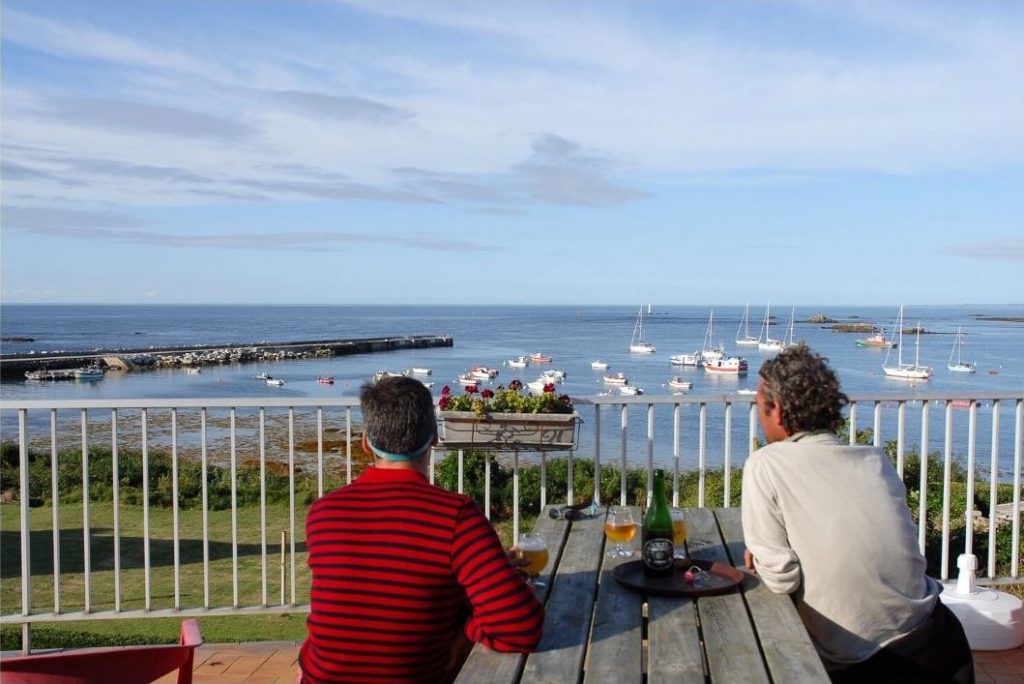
(800,382)
(398,414)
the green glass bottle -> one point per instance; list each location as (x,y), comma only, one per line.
(657,534)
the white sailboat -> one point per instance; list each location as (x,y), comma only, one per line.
(959,366)
(788,339)
(711,352)
(743,336)
(908,371)
(637,344)
(769,344)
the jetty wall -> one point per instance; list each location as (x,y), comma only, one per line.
(14,366)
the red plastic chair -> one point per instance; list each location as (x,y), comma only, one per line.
(126,665)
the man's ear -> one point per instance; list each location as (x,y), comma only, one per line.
(366,444)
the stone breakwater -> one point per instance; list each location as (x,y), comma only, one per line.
(15,366)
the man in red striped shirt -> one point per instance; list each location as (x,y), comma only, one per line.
(403,569)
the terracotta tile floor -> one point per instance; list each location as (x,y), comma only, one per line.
(274,662)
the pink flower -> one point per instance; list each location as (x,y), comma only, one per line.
(549,388)
(565,399)
(471,389)
(487,394)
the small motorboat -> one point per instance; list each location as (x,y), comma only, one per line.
(538,385)
(93,372)
(538,357)
(275,382)
(264,376)
(617,379)
(679,384)
(380,375)
(599,365)
(693,359)
(733,364)
(192,370)
(325,379)
(553,375)
(518,362)
(468,380)
(630,391)
(483,372)
(420,371)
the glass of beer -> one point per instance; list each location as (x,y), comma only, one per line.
(533,549)
(678,533)
(620,528)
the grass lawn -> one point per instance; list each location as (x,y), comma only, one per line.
(250,564)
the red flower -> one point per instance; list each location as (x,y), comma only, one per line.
(471,389)
(565,399)
(445,400)
(549,388)
(445,391)
(515,385)
(487,394)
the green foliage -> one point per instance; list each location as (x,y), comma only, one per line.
(160,479)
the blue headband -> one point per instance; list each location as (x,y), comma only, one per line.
(408,456)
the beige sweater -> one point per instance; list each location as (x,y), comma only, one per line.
(829,523)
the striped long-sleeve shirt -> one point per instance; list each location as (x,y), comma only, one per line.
(397,564)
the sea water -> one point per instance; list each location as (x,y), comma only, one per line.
(489,335)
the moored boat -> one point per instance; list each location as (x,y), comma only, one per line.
(678,383)
(616,379)
(732,364)
(599,365)
(325,379)
(518,362)
(959,366)
(275,382)
(483,372)
(93,372)
(468,380)
(538,357)
(630,391)
(907,371)
(693,359)
(878,340)
(637,345)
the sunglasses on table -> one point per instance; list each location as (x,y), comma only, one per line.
(574,512)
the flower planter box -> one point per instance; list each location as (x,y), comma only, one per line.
(509,431)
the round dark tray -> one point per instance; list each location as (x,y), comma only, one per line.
(721,578)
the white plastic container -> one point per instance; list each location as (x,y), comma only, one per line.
(993,620)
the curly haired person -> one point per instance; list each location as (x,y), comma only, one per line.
(828,523)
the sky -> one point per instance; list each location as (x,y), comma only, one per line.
(456,152)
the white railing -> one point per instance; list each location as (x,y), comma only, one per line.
(686,434)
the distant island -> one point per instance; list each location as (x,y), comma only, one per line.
(1003,319)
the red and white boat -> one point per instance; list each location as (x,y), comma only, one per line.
(617,379)
(325,379)
(537,357)
(468,380)
(732,364)
(483,372)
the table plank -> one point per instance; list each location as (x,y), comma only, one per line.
(787,648)
(730,642)
(616,640)
(570,606)
(490,667)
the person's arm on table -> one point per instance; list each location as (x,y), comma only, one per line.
(768,552)
(506,616)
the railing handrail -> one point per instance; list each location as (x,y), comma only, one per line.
(595,400)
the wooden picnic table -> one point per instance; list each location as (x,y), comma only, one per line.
(596,630)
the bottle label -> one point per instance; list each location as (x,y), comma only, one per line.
(658,553)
